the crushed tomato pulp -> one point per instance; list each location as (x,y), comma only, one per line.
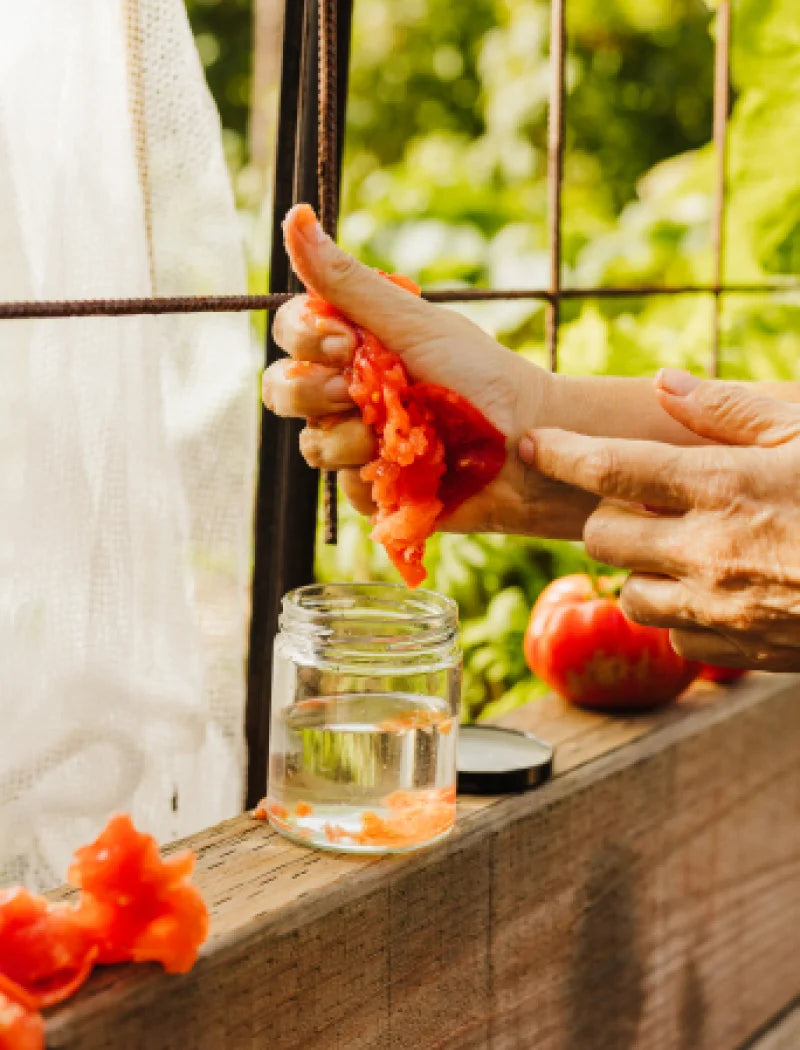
(434,448)
(134,906)
(410,817)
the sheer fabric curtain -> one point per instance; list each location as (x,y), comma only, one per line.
(127,445)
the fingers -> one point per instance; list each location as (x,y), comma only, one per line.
(434,343)
(634,471)
(728,650)
(714,629)
(628,539)
(300,388)
(334,445)
(709,647)
(656,601)
(358,492)
(729,413)
(361,293)
(305,337)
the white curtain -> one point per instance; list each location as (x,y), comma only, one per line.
(127,445)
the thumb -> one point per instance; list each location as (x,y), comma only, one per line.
(728,413)
(402,321)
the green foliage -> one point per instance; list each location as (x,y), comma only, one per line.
(445,179)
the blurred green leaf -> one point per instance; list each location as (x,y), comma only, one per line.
(524,692)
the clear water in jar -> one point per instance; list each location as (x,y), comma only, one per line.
(367,773)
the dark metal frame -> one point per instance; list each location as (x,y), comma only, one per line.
(286,500)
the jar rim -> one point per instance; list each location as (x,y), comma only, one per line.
(319,603)
(377,622)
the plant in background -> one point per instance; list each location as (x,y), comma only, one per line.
(445,180)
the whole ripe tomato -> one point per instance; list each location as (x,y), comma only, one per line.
(582,644)
(722,675)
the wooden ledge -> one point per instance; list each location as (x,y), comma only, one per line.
(648,896)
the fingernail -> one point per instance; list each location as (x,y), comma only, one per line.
(527,450)
(308,226)
(337,389)
(676,381)
(337,347)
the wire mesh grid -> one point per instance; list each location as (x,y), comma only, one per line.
(307,165)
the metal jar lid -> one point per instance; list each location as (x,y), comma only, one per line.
(496,761)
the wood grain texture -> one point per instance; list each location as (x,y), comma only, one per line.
(783,1035)
(648,897)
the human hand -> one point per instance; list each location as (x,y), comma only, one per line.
(720,563)
(437,346)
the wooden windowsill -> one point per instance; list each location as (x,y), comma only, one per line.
(648,896)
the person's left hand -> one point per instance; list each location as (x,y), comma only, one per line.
(712,532)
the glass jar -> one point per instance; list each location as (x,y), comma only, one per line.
(365,703)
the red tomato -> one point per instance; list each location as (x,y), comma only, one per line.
(21,1027)
(723,675)
(435,449)
(140,908)
(44,948)
(582,644)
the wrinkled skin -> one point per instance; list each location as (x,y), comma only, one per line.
(437,346)
(719,561)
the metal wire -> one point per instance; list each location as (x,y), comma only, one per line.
(65,308)
(328,189)
(555,173)
(722,90)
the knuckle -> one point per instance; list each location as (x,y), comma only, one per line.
(717,565)
(597,540)
(310,447)
(635,605)
(721,399)
(743,617)
(632,606)
(603,470)
(281,324)
(722,485)
(342,268)
(291,328)
(278,328)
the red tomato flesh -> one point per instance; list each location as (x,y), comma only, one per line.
(140,907)
(581,643)
(435,449)
(21,1027)
(44,948)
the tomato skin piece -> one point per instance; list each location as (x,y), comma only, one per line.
(475,450)
(21,1028)
(139,906)
(44,947)
(580,642)
(721,675)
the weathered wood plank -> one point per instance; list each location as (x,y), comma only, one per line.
(783,1035)
(647,898)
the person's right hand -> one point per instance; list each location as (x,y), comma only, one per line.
(438,346)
